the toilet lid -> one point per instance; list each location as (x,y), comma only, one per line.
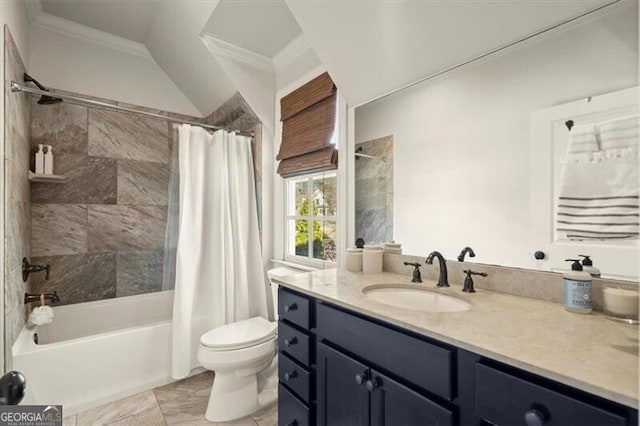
(241,334)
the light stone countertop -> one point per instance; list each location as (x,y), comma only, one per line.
(587,352)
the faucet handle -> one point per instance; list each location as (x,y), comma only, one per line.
(468,281)
(416,271)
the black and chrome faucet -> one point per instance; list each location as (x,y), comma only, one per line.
(416,272)
(464,252)
(443,279)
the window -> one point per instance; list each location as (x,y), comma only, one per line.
(311,217)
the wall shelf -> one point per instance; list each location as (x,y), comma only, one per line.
(38,177)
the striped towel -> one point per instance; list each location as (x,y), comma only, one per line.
(599,191)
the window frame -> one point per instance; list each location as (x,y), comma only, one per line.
(289,205)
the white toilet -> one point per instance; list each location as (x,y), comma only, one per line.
(237,352)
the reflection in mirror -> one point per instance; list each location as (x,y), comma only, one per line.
(463,145)
(374,190)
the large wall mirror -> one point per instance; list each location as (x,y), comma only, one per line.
(467,152)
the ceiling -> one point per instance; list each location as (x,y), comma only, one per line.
(371,48)
(130,19)
(266,27)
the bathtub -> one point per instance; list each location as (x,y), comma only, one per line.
(97,352)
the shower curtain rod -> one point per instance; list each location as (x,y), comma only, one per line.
(77,100)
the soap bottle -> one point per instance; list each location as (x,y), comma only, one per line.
(48,161)
(39,169)
(577,289)
(587,266)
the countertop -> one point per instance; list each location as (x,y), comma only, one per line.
(587,352)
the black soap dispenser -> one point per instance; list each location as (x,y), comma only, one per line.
(587,266)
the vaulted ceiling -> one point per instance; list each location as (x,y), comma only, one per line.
(368,47)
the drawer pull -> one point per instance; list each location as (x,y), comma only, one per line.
(290,342)
(375,383)
(293,423)
(361,378)
(292,375)
(291,307)
(534,417)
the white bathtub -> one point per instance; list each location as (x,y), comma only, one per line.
(97,352)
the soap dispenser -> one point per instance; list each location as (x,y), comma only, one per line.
(39,169)
(587,266)
(577,289)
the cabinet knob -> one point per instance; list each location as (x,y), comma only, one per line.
(372,384)
(293,423)
(292,375)
(291,307)
(534,417)
(361,378)
(290,342)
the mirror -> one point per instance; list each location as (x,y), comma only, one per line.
(467,154)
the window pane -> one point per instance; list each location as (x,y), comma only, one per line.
(301,238)
(298,194)
(325,196)
(324,240)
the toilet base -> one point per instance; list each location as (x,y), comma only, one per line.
(235,397)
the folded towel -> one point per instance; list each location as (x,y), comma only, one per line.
(599,189)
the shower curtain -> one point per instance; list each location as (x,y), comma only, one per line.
(219,274)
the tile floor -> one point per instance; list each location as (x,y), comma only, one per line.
(180,403)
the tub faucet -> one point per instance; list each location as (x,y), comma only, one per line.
(31,298)
(443,279)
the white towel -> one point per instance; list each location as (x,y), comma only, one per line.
(599,188)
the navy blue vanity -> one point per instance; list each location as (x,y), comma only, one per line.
(338,367)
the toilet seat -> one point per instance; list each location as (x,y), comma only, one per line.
(238,335)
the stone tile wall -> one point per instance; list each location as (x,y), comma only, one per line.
(374,191)
(17,202)
(103,230)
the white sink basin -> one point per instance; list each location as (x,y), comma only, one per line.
(415,298)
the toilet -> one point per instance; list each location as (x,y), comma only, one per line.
(237,352)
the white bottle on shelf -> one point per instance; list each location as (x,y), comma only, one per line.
(48,161)
(39,169)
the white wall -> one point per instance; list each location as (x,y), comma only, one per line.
(71,63)
(461,144)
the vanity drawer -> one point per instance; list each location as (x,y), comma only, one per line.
(294,342)
(293,308)
(420,362)
(291,411)
(504,399)
(297,378)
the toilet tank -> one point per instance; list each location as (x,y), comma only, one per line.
(275,273)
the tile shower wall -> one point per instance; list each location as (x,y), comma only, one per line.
(374,191)
(17,203)
(103,230)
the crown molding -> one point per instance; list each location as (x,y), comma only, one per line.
(296,48)
(34,9)
(224,49)
(92,35)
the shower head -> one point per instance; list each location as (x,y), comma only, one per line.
(44,99)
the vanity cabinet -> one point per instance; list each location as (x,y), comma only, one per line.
(339,367)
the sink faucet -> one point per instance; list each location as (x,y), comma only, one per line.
(464,252)
(443,279)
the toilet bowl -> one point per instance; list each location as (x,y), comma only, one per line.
(237,352)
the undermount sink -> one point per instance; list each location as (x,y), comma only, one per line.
(416,298)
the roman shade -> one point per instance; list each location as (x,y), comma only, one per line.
(308,117)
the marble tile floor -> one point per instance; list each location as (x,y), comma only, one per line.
(180,403)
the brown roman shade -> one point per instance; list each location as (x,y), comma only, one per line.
(308,117)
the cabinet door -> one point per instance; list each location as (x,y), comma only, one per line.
(393,404)
(343,398)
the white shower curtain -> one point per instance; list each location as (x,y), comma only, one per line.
(219,272)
